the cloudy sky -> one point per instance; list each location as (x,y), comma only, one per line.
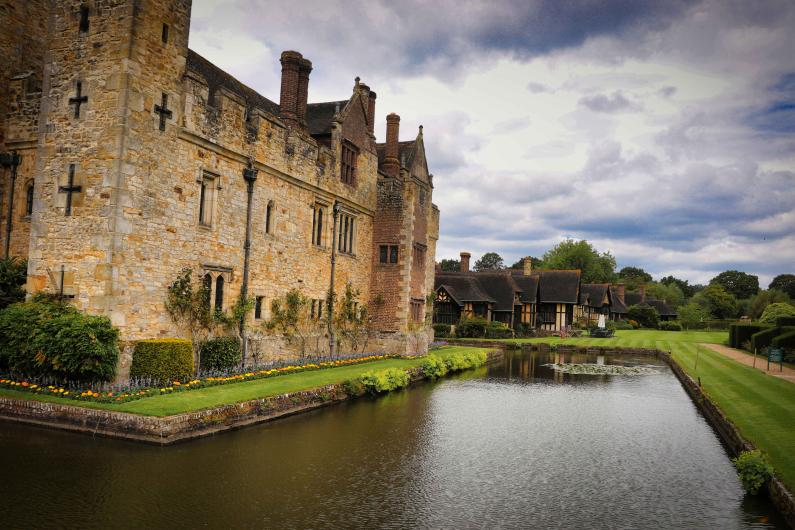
(663,132)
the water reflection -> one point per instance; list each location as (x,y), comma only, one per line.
(514,445)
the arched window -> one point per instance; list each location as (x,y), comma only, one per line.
(269,218)
(219,293)
(29,199)
(207,286)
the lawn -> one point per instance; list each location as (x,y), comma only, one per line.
(762,407)
(204,398)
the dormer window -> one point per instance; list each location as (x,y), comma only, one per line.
(348,164)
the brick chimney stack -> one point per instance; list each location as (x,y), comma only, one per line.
(371,113)
(391,162)
(620,290)
(304,68)
(527,265)
(288,98)
(465,261)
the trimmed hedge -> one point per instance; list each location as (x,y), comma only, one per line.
(471,328)
(739,334)
(670,326)
(785,321)
(763,338)
(786,339)
(221,353)
(441,331)
(163,359)
(46,338)
(498,330)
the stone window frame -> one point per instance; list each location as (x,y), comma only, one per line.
(320,223)
(420,255)
(392,249)
(259,304)
(349,155)
(164,33)
(214,272)
(30,190)
(270,217)
(416,310)
(347,224)
(206,216)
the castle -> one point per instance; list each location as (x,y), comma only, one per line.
(128,157)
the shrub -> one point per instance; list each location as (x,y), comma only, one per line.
(633,323)
(753,470)
(434,367)
(45,337)
(739,334)
(465,361)
(472,328)
(623,325)
(775,311)
(441,331)
(670,326)
(384,380)
(498,330)
(163,359)
(354,387)
(645,315)
(525,330)
(221,353)
(762,339)
(786,339)
(13,275)
(785,321)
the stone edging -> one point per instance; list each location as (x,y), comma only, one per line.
(168,430)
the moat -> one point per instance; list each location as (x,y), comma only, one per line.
(513,444)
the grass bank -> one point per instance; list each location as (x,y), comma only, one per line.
(204,398)
(762,407)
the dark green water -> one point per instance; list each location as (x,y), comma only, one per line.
(513,445)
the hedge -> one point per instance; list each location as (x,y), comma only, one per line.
(670,326)
(786,339)
(441,331)
(47,338)
(762,339)
(785,321)
(739,334)
(162,359)
(221,353)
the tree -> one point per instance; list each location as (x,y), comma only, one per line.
(784,283)
(758,303)
(715,299)
(13,275)
(645,315)
(450,265)
(188,305)
(671,294)
(351,320)
(570,254)
(291,317)
(634,277)
(490,261)
(692,315)
(519,265)
(777,310)
(739,284)
(687,289)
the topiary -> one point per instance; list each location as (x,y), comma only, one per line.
(220,353)
(775,311)
(753,470)
(162,359)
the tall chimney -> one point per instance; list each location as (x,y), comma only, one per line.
(288,98)
(303,90)
(391,162)
(527,264)
(465,261)
(371,113)
(642,291)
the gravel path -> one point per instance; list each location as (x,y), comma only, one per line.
(748,359)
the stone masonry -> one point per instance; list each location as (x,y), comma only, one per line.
(160,130)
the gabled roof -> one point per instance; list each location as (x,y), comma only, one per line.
(593,294)
(560,287)
(631,299)
(462,286)
(617,304)
(501,287)
(319,116)
(406,153)
(217,78)
(528,285)
(662,308)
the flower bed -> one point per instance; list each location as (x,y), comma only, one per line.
(130,394)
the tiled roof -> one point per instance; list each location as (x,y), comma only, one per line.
(462,286)
(561,287)
(617,304)
(319,116)
(593,294)
(633,299)
(406,153)
(217,78)
(528,285)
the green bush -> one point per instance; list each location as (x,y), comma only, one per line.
(525,330)
(464,361)
(670,326)
(740,333)
(44,337)
(13,275)
(441,331)
(633,323)
(762,339)
(498,330)
(753,470)
(434,367)
(775,311)
(785,321)
(645,315)
(472,328)
(163,359)
(786,339)
(220,353)
(384,380)
(623,325)
(353,387)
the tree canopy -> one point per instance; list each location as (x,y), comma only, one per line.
(758,303)
(777,310)
(490,261)
(784,283)
(718,301)
(633,277)
(520,263)
(450,265)
(687,289)
(739,284)
(669,293)
(570,254)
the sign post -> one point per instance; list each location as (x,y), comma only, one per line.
(775,355)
